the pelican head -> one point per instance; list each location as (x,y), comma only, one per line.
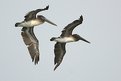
(77,38)
(42,18)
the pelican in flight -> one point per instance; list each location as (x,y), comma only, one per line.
(27,33)
(64,38)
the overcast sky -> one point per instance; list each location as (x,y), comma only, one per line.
(98,61)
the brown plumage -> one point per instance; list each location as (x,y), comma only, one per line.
(29,37)
(65,37)
(32,43)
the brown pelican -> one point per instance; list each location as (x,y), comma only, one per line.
(64,38)
(31,19)
(27,33)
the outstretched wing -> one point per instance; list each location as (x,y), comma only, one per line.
(59,51)
(32,14)
(32,43)
(69,28)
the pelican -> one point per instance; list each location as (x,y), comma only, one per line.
(66,37)
(27,33)
(31,19)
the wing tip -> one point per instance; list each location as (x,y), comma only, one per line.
(57,63)
(56,66)
(35,59)
(47,7)
(81,18)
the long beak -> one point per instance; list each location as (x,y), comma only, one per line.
(49,21)
(84,40)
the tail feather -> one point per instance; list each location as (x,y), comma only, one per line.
(52,39)
(16,25)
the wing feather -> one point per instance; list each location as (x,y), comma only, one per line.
(32,14)
(69,28)
(32,43)
(59,53)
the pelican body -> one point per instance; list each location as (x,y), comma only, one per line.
(34,22)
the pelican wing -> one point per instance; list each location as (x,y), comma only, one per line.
(59,53)
(69,28)
(32,43)
(32,14)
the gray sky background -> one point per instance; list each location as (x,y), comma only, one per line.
(98,61)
